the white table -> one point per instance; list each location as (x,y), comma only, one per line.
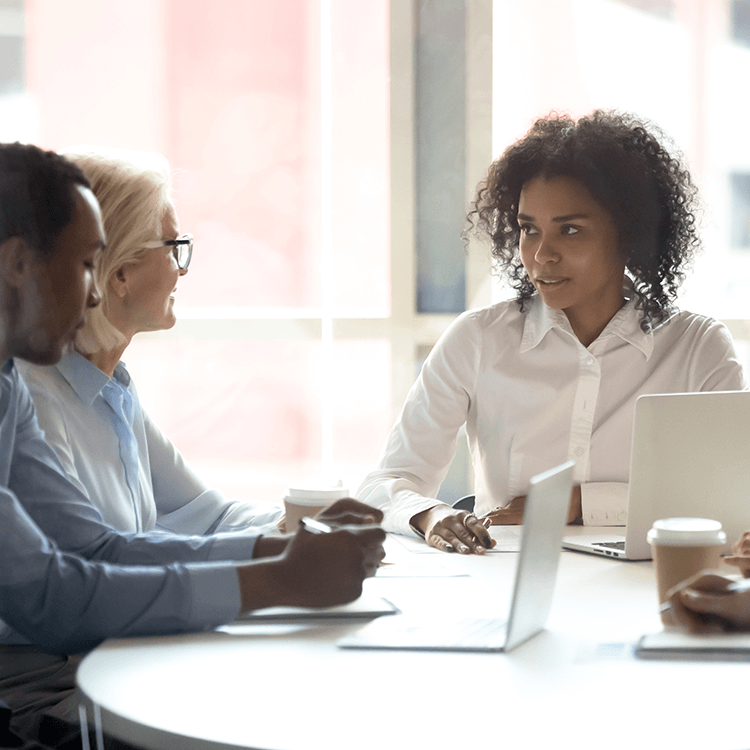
(287,687)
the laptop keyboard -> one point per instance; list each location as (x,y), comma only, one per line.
(479,632)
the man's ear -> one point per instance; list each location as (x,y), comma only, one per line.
(118,281)
(16,260)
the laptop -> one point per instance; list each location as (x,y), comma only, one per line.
(544,522)
(690,458)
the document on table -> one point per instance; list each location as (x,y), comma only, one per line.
(367,605)
(508,539)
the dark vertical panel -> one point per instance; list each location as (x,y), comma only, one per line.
(441,156)
(740,22)
(740,210)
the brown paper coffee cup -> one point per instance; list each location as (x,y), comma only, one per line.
(683,547)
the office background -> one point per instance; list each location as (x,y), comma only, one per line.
(325,154)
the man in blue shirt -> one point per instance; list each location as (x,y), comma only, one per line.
(67,580)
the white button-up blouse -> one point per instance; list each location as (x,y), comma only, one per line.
(532,396)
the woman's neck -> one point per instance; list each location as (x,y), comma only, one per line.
(106,361)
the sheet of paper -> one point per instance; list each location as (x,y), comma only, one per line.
(411,567)
(367,605)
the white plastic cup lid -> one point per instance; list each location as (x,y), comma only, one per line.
(314,495)
(686,532)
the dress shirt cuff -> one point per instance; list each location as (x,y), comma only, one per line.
(216,595)
(232,546)
(604,503)
(398,518)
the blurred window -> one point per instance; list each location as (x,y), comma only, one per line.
(326,152)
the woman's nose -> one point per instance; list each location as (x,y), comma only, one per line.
(545,252)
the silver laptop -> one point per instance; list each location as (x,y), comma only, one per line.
(690,457)
(544,522)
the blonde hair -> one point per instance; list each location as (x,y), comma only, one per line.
(132,188)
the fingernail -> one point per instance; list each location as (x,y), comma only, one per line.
(464,548)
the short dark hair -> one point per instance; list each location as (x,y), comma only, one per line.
(36,194)
(624,164)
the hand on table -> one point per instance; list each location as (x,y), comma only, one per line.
(702,604)
(512,514)
(350,511)
(453,530)
(740,556)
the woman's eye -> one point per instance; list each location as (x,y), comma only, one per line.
(568,229)
(527,229)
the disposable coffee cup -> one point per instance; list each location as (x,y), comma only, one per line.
(682,547)
(309,500)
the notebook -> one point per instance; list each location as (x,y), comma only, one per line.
(670,644)
(544,521)
(690,458)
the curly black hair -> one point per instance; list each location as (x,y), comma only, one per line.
(626,167)
(37,200)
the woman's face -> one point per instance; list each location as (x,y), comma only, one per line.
(152,284)
(569,248)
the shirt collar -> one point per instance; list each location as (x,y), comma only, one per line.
(540,320)
(85,378)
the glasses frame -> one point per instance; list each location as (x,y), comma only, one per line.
(184,240)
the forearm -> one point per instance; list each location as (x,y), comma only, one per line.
(63,603)
(270,546)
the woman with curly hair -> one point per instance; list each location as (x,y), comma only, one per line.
(593,224)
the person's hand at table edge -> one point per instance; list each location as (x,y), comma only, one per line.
(740,556)
(509,515)
(314,570)
(453,531)
(703,604)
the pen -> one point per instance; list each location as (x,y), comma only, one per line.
(486,522)
(314,526)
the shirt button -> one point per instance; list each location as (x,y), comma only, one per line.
(578,451)
(590,361)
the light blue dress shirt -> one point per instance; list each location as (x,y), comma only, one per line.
(67,579)
(116,456)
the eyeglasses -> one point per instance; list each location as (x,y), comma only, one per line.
(182,249)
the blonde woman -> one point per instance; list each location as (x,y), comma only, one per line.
(87,404)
